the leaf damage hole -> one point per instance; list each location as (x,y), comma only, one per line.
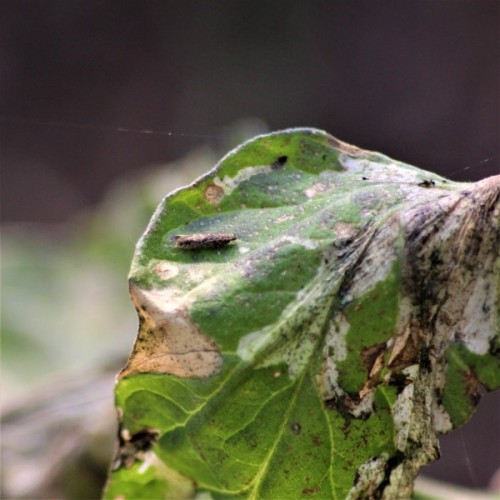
(132,448)
(279,163)
(390,465)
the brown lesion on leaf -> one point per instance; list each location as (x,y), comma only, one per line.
(405,349)
(398,353)
(213,194)
(372,358)
(473,386)
(345,233)
(168,341)
(311,491)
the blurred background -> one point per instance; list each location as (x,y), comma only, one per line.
(107,106)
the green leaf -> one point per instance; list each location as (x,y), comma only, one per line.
(322,350)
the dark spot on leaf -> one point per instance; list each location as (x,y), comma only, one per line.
(308,491)
(435,258)
(342,405)
(495,346)
(400,381)
(364,178)
(331,404)
(473,387)
(296,428)
(427,183)
(279,162)
(317,441)
(438,396)
(356,477)
(370,354)
(143,440)
(425,360)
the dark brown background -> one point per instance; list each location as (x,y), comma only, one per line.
(416,80)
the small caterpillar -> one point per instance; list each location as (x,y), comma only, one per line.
(201,241)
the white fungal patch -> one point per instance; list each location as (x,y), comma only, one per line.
(304,242)
(335,349)
(252,343)
(369,476)
(168,341)
(203,495)
(440,419)
(389,173)
(196,273)
(402,410)
(125,434)
(182,487)
(203,290)
(298,329)
(479,319)
(149,459)
(229,184)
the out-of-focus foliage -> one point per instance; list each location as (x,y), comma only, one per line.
(65,302)
(67,326)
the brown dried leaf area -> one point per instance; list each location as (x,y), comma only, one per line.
(450,285)
(405,350)
(168,341)
(398,353)
(453,259)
